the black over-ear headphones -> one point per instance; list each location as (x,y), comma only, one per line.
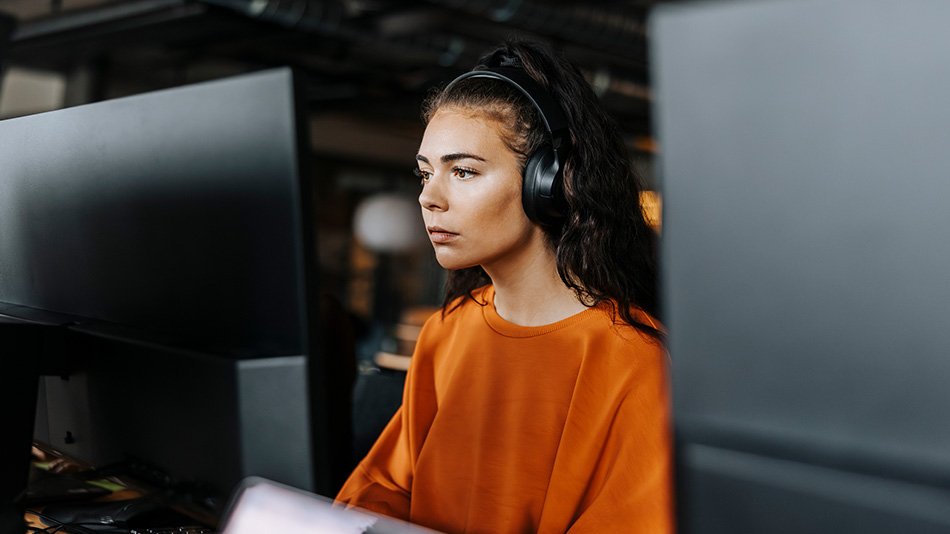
(542,194)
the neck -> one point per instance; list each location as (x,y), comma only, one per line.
(529,292)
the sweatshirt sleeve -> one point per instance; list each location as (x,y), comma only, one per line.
(381,482)
(632,486)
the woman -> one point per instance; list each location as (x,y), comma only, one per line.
(537,399)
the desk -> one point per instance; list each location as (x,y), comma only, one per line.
(133,505)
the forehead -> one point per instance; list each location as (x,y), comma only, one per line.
(455,130)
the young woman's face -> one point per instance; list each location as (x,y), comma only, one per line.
(471,192)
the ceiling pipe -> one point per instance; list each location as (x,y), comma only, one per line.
(330,18)
(618,33)
(608,74)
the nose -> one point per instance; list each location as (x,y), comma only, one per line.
(432,197)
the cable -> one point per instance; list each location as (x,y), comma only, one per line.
(59,524)
(78,527)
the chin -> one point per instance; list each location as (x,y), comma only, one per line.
(448,262)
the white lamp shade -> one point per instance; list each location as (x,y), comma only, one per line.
(389,222)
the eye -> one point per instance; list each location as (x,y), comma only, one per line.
(422,175)
(462,173)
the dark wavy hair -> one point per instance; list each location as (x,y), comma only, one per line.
(605,250)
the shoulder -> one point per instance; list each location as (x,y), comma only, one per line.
(625,333)
(458,314)
(623,371)
(460,309)
(627,351)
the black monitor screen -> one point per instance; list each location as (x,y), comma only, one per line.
(175,214)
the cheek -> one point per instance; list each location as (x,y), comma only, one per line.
(505,210)
(500,219)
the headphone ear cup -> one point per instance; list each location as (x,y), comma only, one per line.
(541,193)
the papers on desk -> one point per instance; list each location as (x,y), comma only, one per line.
(261,505)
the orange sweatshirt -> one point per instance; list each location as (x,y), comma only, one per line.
(505,428)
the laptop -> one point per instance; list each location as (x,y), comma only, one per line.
(261,505)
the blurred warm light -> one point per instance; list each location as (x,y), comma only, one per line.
(646,144)
(652,204)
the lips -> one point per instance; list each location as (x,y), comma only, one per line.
(440,235)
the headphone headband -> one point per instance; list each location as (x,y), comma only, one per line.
(542,188)
(551,114)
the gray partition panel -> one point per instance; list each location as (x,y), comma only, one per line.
(806,248)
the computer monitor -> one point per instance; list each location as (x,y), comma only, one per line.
(806,262)
(163,244)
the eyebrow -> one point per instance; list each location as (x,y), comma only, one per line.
(451,157)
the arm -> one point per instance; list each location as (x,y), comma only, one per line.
(382,481)
(632,488)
